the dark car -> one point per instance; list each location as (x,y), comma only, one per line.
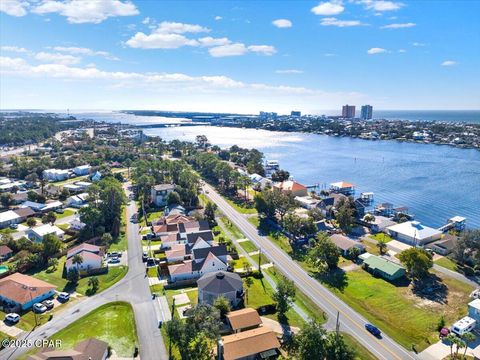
(372,329)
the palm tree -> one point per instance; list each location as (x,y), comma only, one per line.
(451,338)
(382,246)
(77,260)
(467,338)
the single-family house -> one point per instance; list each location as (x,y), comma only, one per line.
(259,343)
(11,185)
(445,245)
(343,187)
(414,233)
(384,209)
(19,197)
(76,224)
(52,206)
(72,188)
(37,233)
(379,224)
(307,202)
(345,244)
(329,204)
(82,170)
(22,291)
(193,269)
(380,266)
(56,174)
(160,192)
(5,252)
(77,201)
(8,218)
(35,206)
(24,213)
(243,319)
(173,219)
(89,349)
(91,255)
(474,311)
(291,187)
(216,284)
(259,182)
(84,185)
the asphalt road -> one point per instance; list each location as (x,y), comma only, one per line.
(133,288)
(350,321)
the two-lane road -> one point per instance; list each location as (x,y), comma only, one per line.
(350,321)
(133,288)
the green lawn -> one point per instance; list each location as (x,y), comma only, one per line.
(240,207)
(66,212)
(113,323)
(234,230)
(381,236)
(276,237)
(370,247)
(154,215)
(115,273)
(391,307)
(248,246)
(191,292)
(152,272)
(361,353)
(446,263)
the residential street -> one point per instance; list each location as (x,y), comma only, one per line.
(133,288)
(350,321)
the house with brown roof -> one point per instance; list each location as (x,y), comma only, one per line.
(89,349)
(193,269)
(291,187)
(5,252)
(243,319)
(24,213)
(259,343)
(22,291)
(91,255)
(345,244)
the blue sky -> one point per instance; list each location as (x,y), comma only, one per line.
(241,56)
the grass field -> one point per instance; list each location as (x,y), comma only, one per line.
(115,273)
(113,323)
(381,236)
(361,353)
(66,212)
(240,207)
(248,246)
(234,230)
(391,307)
(446,263)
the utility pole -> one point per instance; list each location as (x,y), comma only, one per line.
(260,261)
(34,312)
(170,339)
(337,326)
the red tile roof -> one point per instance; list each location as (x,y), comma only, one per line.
(22,288)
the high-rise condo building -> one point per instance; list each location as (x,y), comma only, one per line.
(295,113)
(348,111)
(367,112)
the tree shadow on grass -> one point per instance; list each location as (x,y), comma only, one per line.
(335,278)
(431,288)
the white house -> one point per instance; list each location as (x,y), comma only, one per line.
(9,217)
(76,224)
(82,170)
(56,174)
(414,233)
(91,255)
(307,202)
(83,184)
(77,200)
(72,188)
(160,192)
(37,233)
(192,269)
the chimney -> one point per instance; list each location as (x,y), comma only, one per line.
(219,349)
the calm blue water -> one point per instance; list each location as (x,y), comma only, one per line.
(435,182)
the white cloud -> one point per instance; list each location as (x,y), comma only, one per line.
(235,49)
(289,71)
(146,21)
(329,54)
(168,35)
(14,7)
(263,49)
(282,23)
(331,21)
(399,26)
(376,50)
(217,18)
(14,49)
(84,51)
(328,8)
(57,58)
(449,63)
(381,5)
(210,41)
(402,51)
(418,44)
(87,11)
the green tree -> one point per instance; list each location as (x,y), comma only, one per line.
(92,217)
(73,276)
(345,214)
(173,198)
(52,263)
(267,209)
(107,238)
(223,305)
(209,213)
(248,283)
(337,349)
(6,199)
(324,252)
(51,246)
(51,217)
(310,342)
(93,283)
(417,261)
(280,175)
(467,338)
(31,222)
(284,296)
(382,246)
(77,260)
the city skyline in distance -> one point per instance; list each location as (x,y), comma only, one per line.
(240,57)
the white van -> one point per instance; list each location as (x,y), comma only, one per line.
(464,325)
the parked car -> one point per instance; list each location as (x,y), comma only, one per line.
(114,254)
(48,304)
(63,296)
(39,308)
(13,226)
(12,318)
(114,260)
(444,332)
(372,329)
(144,256)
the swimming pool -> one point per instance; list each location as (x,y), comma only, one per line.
(3,269)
